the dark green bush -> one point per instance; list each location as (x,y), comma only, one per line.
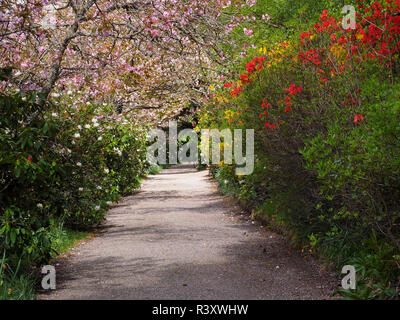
(60,166)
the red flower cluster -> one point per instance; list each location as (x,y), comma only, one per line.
(328,23)
(378,30)
(255,64)
(271,126)
(310,56)
(263,114)
(358,118)
(324,15)
(265,104)
(287,109)
(350,100)
(293,90)
(236,91)
(377,36)
(304,36)
(245,78)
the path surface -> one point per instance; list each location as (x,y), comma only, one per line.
(179,239)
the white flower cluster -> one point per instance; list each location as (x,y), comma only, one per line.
(65,151)
(95,123)
(266,17)
(119,152)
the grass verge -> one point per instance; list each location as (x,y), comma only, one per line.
(20,283)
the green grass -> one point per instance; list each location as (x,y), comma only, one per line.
(154,169)
(16,287)
(63,239)
(16,284)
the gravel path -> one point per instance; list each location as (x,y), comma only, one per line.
(179,239)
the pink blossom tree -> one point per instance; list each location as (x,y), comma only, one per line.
(142,54)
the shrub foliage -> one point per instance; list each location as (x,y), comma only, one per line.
(60,166)
(324,103)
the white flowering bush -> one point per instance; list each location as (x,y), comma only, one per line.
(61,166)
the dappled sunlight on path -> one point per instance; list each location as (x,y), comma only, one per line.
(179,239)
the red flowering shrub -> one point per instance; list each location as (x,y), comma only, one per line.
(326,115)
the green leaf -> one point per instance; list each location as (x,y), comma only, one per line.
(13,236)
(17,172)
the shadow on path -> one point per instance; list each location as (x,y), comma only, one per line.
(178,239)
